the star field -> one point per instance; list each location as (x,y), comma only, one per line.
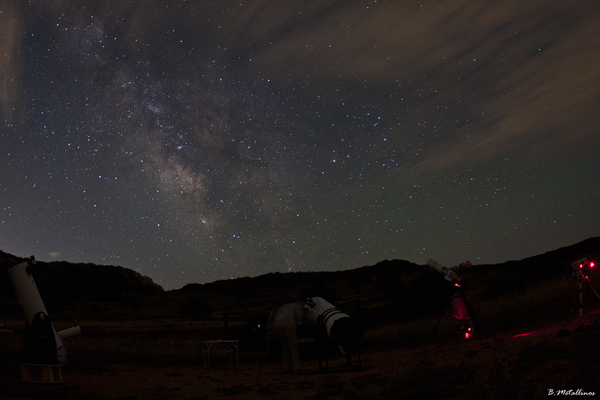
(198,141)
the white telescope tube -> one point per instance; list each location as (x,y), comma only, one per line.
(27,292)
(31,301)
(448,273)
(340,328)
(316,307)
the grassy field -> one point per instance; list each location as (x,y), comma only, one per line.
(128,341)
(566,358)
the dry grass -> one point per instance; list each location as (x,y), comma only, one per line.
(561,360)
(548,301)
(172,341)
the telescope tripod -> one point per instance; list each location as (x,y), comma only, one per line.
(473,332)
(584,282)
(325,345)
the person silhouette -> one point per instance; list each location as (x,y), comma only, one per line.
(284,324)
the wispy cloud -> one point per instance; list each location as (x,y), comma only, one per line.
(11,35)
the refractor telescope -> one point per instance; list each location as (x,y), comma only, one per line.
(450,274)
(462,304)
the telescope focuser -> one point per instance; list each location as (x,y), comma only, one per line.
(31,266)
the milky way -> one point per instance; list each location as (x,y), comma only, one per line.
(197,141)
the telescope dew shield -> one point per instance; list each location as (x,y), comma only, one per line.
(339,326)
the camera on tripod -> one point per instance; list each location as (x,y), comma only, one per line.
(584,281)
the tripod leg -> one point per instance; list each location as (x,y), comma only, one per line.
(591,287)
(436,325)
(580,278)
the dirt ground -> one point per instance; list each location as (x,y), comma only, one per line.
(264,380)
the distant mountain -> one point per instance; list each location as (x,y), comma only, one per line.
(396,289)
(514,276)
(64,285)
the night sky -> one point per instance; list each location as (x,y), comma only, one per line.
(194,141)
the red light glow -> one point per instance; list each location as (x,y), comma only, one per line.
(468,333)
(522,334)
(457,284)
(592,265)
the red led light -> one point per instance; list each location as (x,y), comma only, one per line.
(457,284)
(592,264)
(467,335)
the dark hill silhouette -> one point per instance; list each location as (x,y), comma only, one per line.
(393,290)
(65,286)
(515,276)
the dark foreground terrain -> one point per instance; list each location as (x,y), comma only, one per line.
(141,342)
(528,363)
